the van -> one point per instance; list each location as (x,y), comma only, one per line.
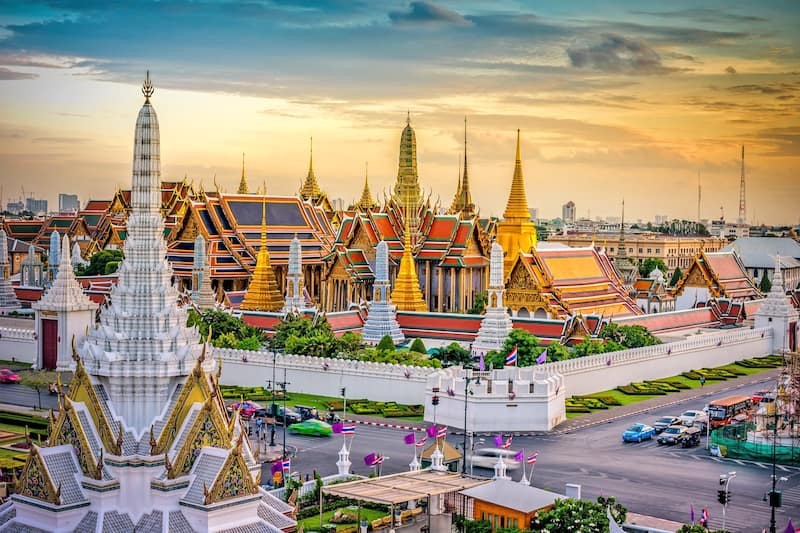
(487,458)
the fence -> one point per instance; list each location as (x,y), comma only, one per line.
(18,344)
(734,441)
(309,486)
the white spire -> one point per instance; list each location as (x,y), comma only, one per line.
(382,317)
(496,323)
(294,299)
(777,312)
(142,346)
(65,294)
(8,298)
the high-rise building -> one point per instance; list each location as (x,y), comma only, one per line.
(68,202)
(568,212)
(35,205)
(15,207)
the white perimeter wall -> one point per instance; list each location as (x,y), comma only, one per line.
(596,373)
(324,376)
(18,344)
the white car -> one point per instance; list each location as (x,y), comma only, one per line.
(487,458)
(692,417)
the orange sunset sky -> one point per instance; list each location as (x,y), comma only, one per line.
(614,99)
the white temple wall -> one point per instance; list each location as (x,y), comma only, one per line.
(596,373)
(690,296)
(18,345)
(325,376)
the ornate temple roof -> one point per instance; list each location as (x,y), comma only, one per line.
(723,273)
(310,189)
(407,191)
(573,280)
(366,202)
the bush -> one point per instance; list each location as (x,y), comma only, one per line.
(628,389)
(418,346)
(386,344)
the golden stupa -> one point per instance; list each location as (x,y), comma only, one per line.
(516,232)
(406,294)
(366,203)
(262,293)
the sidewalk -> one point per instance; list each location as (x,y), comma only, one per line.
(44,413)
(701,394)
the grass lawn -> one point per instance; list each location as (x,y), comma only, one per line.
(311,400)
(312,523)
(626,399)
(17,364)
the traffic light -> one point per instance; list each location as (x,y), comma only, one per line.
(435,400)
(343,391)
(724,496)
(728,497)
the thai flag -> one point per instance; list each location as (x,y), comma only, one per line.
(286,465)
(507,444)
(378,461)
(349,430)
(421,443)
(532,458)
(442,433)
(511,358)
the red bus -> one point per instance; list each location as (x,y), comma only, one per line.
(724,411)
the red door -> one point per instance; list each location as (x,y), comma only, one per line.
(49,343)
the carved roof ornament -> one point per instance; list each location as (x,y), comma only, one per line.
(147,88)
(98,471)
(75,356)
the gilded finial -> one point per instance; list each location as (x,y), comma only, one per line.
(408,117)
(243,189)
(147,88)
(311,156)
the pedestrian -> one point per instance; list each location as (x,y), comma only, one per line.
(702,381)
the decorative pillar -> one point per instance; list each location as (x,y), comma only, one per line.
(382,315)
(343,464)
(54,257)
(500,469)
(496,324)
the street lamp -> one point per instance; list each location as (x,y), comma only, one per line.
(775,496)
(467,392)
(273,412)
(724,494)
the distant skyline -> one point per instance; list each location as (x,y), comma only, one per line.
(613,99)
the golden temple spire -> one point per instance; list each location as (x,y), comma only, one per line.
(310,189)
(406,294)
(516,233)
(243,189)
(465,200)
(366,203)
(517,206)
(262,293)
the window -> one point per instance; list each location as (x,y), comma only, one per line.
(640,250)
(658,250)
(649,251)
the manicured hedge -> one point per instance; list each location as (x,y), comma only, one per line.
(19,419)
(629,389)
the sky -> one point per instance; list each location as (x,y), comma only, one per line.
(614,99)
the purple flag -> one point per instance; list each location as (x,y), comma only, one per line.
(431,431)
(520,456)
(369,460)
(482,364)
(542,358)
(498,440)
(789,527)
(410,438)
(277,466)
(691,513)
(337,427)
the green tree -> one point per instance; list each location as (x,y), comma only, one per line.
(311,337)
(249,343)
(527,344)
(696,528)
(579,516)
(765,285)
(479,303)
(588,347)
(418,346)
(98,263)
(477,526)
(650,264)
(350,343)
(676,276)
(111,267)
(629,336)
(386,344)
(222,323)
(226,340)
(454,354)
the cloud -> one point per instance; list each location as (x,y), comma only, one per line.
(768,88)
(423,13)
(681,57)
(60,140)
(714,16)
(730,70)
(784,142)
(7,75)
(615,53)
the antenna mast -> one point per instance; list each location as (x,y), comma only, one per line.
(742,208)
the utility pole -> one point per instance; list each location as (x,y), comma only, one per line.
(273,411)
(774,496)
(283,390)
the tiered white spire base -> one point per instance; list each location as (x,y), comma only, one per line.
(382,316)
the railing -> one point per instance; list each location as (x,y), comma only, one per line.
(17,334)
(309,486)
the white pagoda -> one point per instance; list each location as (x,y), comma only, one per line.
(294,300)
(142,441)
(382,317)
(496,323)
(202,291)
(8,298)
(63,313)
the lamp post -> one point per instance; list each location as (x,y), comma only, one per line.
(774,495)
(725,479)
(273,412)
(283,390)
(467,392)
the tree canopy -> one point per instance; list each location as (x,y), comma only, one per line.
(479,303)
(227,331)
(629,336)
(579,516)
(105,262)
(765,285)
(676,276)
(650,264)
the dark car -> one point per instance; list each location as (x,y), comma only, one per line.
(286,417)
(672,435)
(664,422)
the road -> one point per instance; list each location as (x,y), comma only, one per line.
(21,395)
(647,478)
